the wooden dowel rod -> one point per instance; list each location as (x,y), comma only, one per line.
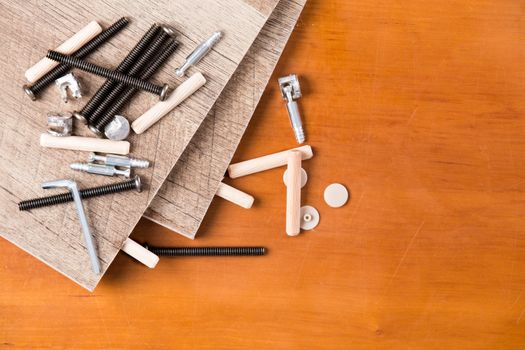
(68,47)
(88,144)
(234,195)
(160,109)
(140,253)
(293,193)
(270,161)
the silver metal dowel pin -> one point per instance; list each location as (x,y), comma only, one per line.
(100,169)
(291,91)
(198,53)
(120,161)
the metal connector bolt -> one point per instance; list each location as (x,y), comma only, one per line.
(120,161)
(291,91)
(198,53)
(100,169)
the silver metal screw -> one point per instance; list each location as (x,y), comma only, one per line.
(100,169)
(291,91)
(88,237)
(199,53)
(120,161)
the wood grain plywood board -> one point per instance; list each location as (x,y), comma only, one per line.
(28,30)
(186,195)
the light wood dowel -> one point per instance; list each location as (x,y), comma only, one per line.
(270,161)
(235,196)
(293,193)
(159,110)
(140,253)
(88,144)
(68,47)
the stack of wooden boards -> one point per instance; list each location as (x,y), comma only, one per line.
(190,149)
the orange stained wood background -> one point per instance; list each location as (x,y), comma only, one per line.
(418,108)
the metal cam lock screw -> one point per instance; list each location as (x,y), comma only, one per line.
(100,169)
(121,161)
(291,91)
(199,52)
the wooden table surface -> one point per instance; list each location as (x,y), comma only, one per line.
(417,107)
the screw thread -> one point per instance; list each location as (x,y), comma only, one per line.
(128,185)
(126,63)
(209,251)
(137,66)
(299,134)
(89,47)
(124,98)
(106,73)
(79,166)
(139,163)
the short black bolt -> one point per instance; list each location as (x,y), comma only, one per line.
(33,90)
(128,93)
(85,114)
(207,251)
(133,184)
(160,90)
(138,66)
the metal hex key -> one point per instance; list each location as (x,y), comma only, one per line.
(90,244)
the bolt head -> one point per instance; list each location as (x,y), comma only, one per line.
(164,92)
(138,184)
(29,92)
(80,117)
(96,131)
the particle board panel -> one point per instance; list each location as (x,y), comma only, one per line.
(186,195)
(29,29)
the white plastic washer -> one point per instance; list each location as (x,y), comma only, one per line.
(309,218)
(304,177)
(336,195)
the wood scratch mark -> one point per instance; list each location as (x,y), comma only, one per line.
(405,254)
(520,316)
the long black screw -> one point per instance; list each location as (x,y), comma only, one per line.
(207,251)
(138,66)
(128,185)
(160,90)
(129,92)
(131,57)
(33,90)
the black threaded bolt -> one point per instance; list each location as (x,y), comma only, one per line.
(208,251)
(108,85)
(33,90)
(126,96)
(135,69)
(128,185)
(160,90)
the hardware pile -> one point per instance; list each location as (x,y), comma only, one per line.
(109,149)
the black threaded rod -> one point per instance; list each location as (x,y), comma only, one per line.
(208,251)
(135,69)
(126,63)
(126,96)
(160,90)
(128,185)
(33,90)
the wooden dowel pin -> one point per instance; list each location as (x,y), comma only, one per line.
(293,194)
(88,144)
(270,161)
(68,47)
(159,110)
(140,253)
(234,195)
